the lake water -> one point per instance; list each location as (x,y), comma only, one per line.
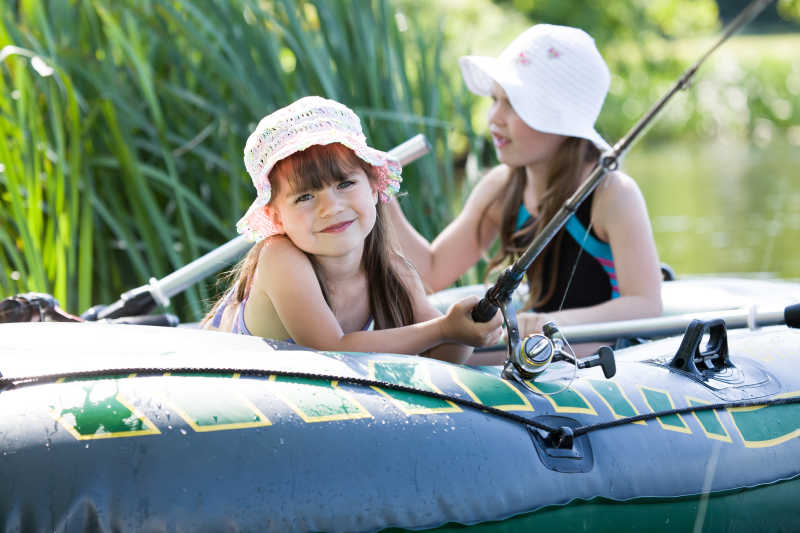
(723,207)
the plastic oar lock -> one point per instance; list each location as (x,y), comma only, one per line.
(535,353)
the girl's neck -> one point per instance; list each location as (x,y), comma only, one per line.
(535,185)
(537,176)
(337,269)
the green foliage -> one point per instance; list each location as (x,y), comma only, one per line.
(623,20)
(122,122)
(125,162)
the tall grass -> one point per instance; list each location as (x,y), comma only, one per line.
(122,124)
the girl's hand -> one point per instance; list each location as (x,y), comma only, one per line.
(458,325)
(529,323)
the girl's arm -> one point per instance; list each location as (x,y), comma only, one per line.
(619,218)
(289,282)
(424,310)
(459,246)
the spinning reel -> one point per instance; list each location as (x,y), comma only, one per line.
(531,356)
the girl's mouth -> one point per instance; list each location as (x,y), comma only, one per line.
(338,228)
(499,140)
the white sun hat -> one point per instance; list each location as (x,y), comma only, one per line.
(554,77)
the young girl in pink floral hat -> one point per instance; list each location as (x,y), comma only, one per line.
(323,273)
(547,88)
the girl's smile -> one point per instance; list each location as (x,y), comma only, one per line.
(338,228)
(499,140)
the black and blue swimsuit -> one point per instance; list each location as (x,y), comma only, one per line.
(594,280)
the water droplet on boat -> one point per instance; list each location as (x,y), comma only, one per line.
(86,446)
(169,427)
(183,431)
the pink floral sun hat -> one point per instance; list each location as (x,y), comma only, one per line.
(307,122)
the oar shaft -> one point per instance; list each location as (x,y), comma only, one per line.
(670,325)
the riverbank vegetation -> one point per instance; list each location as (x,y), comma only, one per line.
(122,123)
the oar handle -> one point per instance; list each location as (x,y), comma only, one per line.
(792,316)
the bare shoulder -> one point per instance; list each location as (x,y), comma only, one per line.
(494,180)
(485,196)
(618,192)
(279,257)
(618,203)
(279,246)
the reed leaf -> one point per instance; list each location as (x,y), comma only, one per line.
(136,168)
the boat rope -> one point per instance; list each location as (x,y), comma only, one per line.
(582,430)
(16,382)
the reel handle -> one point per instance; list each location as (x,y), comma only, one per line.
(604,358)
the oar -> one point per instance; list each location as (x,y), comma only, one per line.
(665,326)
(142,300)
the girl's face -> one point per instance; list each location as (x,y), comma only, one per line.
(516,143)
(332,220)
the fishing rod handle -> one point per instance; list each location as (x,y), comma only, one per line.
(484,311)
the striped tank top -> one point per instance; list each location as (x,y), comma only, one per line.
(595,279)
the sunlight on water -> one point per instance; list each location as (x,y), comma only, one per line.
(723,207)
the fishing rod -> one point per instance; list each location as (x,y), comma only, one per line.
(499,295)
(142,300)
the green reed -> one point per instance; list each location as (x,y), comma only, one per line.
(124,162)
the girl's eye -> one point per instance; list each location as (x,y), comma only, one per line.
(303,198)
(345,184)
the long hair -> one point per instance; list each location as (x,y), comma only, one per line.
(563,179)
(314,168)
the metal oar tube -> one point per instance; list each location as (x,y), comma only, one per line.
(670,325)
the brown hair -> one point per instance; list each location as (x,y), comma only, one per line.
(562,180)
(314,168)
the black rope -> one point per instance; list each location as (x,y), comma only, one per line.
(582,430)
(12,383)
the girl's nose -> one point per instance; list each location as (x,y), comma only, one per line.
(329,202)
(496,114)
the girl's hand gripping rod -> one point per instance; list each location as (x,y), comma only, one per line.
(499,295)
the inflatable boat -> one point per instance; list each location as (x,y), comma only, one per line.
(108,427)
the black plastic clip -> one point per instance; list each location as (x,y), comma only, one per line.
(696,360)
(561,438)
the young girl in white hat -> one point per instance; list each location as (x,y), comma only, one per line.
(323,273)
(547,88)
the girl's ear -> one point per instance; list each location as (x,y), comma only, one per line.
(375,195)
(274,215)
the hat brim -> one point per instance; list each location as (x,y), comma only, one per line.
(479,72)
(258,224)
